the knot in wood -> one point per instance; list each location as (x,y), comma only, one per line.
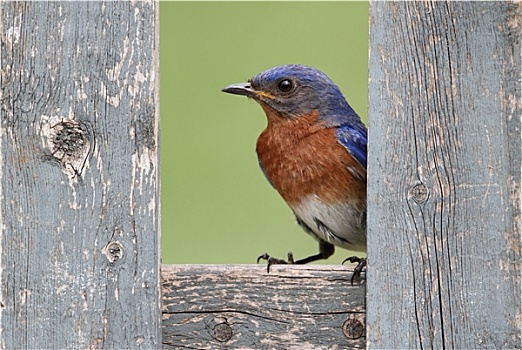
(68,139)
(420,193)
(222,332)
(353,329)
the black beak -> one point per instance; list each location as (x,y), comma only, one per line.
(244,89)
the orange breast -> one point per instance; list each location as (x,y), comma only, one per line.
(301,158)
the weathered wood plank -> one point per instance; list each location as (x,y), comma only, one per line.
(243,307)
(79,175)
(444,195)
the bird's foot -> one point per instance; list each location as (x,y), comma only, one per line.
(274,261)
(361,265)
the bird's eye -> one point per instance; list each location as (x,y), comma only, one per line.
(285,85)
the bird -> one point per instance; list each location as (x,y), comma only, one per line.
(313,151)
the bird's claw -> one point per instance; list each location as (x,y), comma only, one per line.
(275,261)
(361,264)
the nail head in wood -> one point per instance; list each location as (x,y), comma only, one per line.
(222,332)
(353,329)
(113,251)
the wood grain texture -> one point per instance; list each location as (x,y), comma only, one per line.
(444,201)
(79,175)
(243,307)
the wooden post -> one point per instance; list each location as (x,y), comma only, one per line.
(444,196)
(79,175)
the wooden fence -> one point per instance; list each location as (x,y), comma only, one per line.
(79,204)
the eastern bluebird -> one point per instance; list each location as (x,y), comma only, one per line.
(313,152)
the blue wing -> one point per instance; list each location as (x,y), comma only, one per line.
(355,139)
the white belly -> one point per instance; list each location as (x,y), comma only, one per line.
(343,225)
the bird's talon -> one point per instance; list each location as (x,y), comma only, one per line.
(353,259)
(263,256)
(275,261)
(361,264)
(290,258)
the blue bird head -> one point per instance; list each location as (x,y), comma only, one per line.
(297,90)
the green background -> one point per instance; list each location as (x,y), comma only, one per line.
(217,207)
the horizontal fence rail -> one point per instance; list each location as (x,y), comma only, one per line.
(244,307)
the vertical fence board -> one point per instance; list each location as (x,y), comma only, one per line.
(79,175)
(444,173)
